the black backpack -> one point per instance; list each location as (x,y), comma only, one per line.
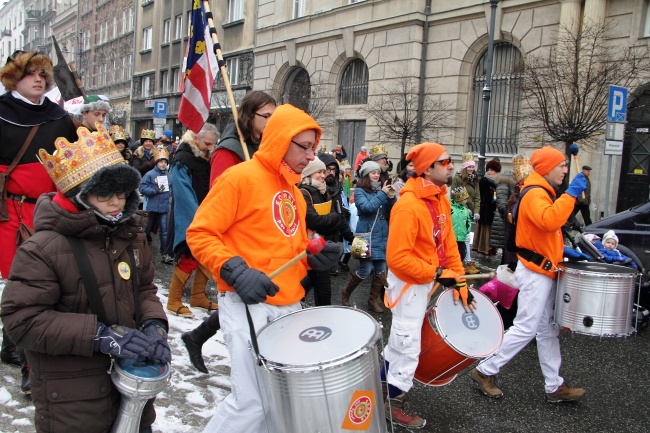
(511,221)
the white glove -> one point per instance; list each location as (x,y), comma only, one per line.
(477,217)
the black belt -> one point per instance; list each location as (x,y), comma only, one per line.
(536,258)
(22,198)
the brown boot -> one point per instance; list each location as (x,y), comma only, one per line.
(470,268)
(375,292)
(198,298)
(350,285)
(175,297)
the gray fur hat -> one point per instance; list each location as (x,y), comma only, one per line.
(94,102)
(367,167)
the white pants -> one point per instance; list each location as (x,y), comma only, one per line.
(534,320)
(246,409)
(403,349)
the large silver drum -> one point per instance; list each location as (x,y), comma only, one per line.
(321,368)
(595,298)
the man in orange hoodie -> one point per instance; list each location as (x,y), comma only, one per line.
(414,257)
(252,222)
(539,238)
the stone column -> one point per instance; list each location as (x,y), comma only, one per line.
(595,11)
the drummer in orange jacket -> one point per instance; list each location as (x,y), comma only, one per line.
(250,224)
(539,237)
(414,258)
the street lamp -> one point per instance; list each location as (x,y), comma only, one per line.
(486,90)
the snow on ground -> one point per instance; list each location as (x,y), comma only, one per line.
(186,405)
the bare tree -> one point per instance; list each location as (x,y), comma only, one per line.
(395,112)
(566,88)
(321,102)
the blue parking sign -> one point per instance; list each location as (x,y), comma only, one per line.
(160,109)
(617,104)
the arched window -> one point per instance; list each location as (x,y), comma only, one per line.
(297,90)
(503,121)
(354,84)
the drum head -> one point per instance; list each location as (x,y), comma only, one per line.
(144,369)
(317,336)
(474,335)
(599,268)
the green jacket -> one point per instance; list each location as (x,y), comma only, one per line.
(461,220)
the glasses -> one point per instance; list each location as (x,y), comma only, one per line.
(306,149)
(120,195)
(263,115)
(443,162)
(332,169)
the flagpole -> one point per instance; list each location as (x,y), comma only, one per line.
(226,79)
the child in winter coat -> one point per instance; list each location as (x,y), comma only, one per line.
(461,217)
(156,189)
(608,248)
(71,326)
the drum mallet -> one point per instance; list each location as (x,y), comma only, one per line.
(574,149)
(314,246)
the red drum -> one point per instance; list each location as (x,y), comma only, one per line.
(452,339)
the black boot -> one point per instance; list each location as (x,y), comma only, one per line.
(8,353)
(343,263)
(25,384)
(195,338)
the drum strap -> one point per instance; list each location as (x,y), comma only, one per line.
(135,280)
(251,327)
(88,278)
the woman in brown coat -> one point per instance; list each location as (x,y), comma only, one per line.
(45,306)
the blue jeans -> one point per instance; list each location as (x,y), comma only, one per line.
(161,217)
(366,267)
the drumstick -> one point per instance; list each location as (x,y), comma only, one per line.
(314,247)
(489,275)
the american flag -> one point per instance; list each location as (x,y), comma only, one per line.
(201,68)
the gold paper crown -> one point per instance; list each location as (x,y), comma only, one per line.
(459,194)
(521,167)
(469,156)
(378,149)
(148,134)
(115,128)
(73,163)
(161,153)
(345,164)
(119,135)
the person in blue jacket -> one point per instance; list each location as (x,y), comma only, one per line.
(608,248)
(156,189)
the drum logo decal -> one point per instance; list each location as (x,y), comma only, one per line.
(471,321)
(359,414)
(566,298)
(315,333)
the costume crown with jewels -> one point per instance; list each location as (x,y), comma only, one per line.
(148,134)
(73,163)
(119,135)
(161,153)
(378,149)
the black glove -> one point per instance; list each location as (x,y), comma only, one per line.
(447,278)
(345,212)
(252,285)
(160,190)
(121,342)
(326,258)
(462,292)
(155,330)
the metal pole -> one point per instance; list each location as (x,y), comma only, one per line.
(486,90)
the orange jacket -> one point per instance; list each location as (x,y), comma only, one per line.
(254,210)
(540,221)
(411,251)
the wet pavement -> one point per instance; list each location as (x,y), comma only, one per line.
(614,371)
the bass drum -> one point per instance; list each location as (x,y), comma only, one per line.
(595,298)
(321,368)
(452,339)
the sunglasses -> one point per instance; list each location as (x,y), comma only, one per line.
(443,162)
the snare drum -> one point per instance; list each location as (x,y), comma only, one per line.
(595,298)
(137,381)
(321,368)
(453,339)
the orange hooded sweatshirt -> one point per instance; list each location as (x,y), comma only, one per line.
(540,221)
(411,251)
(255,211)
